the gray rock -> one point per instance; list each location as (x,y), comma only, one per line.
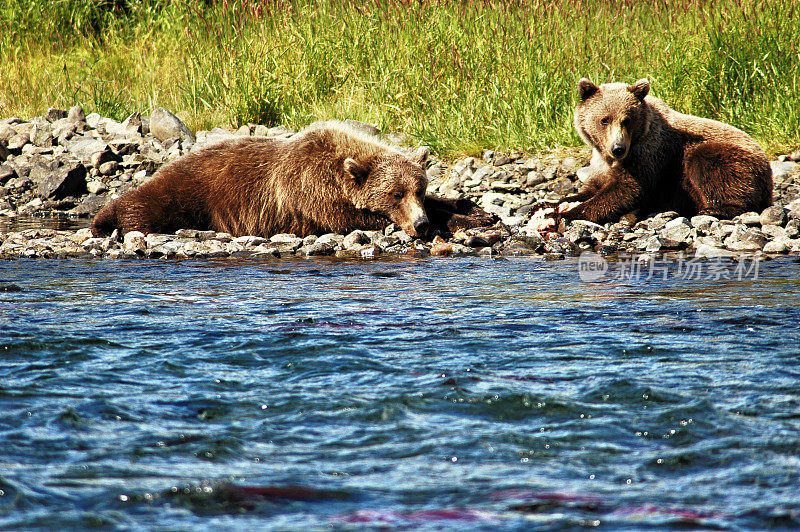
(93,120)
(792,228)
(435,172)
(387,241)
(89,205)
(155,239)
(96,187)
(63,130)
(316,249)
(330,238)
(356,239)
(19,140)
(655,223)
(568,164)
(85,147)
(249,241)
(705,251)
(165,125)
(108,168)
(476,241)
(7,173)
(650,244)
(774,215)
(534,178)
(41,134)
(131,126)
(4,153)
(578,232)
(287,241)
(561,186)
(712,241)
(780,170)
(676,233)
(101,157)
(54,114)
(134,241)
(749,218)
(403,237)
(703,222)
(749,241)
(780,245)
(68,178)
(460,250)
(7,131)
(76,114)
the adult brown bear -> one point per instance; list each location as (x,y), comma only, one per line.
(648,157)
(328,178)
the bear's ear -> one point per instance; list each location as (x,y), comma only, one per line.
(586,88)
(356,170)
(640,88)
(420,156)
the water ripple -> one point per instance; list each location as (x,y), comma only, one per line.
(415,394)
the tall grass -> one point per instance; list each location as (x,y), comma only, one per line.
(460,76)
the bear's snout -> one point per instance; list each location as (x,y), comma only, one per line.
(422,225)
(618,150)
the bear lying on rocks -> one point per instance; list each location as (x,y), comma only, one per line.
(328,178)
(650,158)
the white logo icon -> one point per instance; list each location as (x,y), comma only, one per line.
(591,267)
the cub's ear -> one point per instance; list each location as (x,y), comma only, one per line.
(640,88)
(586,88)
(421,155)
(356,170)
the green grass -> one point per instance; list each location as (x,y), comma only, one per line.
(460,76)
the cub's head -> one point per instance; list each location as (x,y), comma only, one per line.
(613,116)
(392,185)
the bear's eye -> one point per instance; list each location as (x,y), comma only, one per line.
(398,195)
(625,122)
(604,121)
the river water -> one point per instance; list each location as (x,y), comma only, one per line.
(429,394)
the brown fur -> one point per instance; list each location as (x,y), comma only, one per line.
(648,157)
(328,178)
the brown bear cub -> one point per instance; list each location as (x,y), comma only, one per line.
(649,158)
(328,178)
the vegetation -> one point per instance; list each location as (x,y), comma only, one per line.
(458,75)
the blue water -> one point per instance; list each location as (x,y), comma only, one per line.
(421,394)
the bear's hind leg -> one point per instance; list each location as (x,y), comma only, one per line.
(721,180)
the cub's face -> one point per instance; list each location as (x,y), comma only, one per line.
(611,117)
(393,186)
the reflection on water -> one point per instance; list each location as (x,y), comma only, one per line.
(21,223)
(421,394)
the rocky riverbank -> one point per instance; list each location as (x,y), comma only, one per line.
(68,164)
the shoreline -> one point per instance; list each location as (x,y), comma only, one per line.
(67,165)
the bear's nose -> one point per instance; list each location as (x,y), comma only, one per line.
(618,150)
(421,226)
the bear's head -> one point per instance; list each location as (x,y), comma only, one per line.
(392,185)
(610,118)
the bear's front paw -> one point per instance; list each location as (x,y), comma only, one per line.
(580,212)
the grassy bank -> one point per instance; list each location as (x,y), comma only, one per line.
(459,76)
